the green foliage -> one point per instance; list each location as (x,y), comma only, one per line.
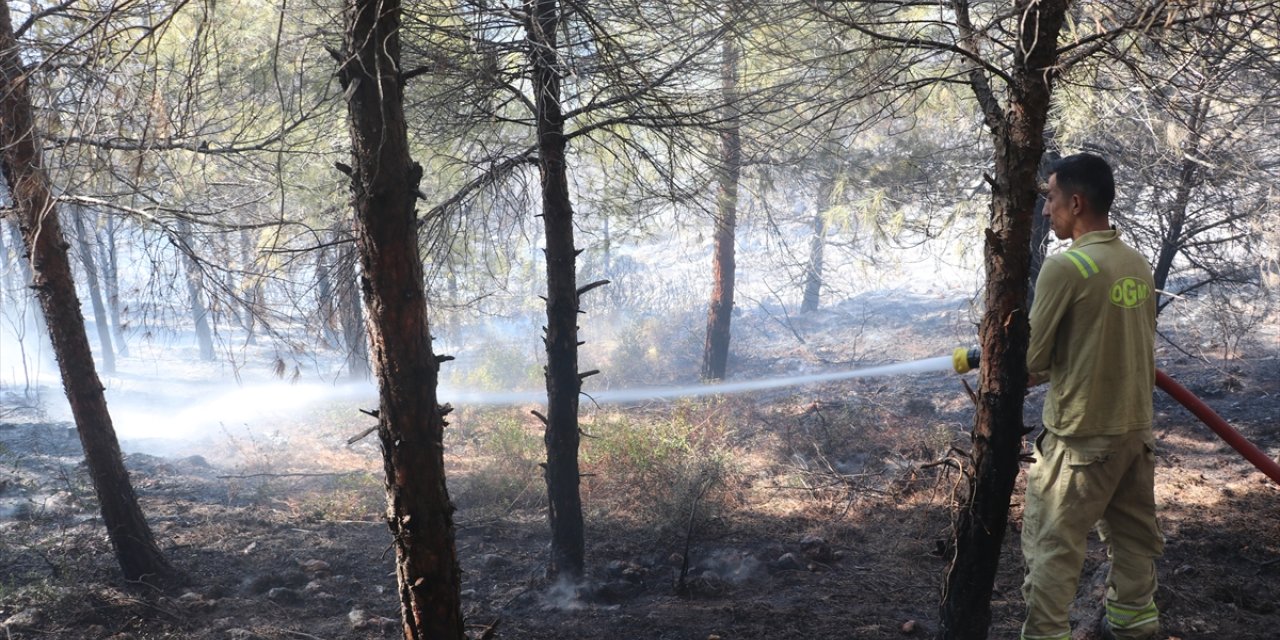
(637,353)
(658,469)
(352,496)
(501,472)
(499,367)
(652,468)
(638,448)
(510,439)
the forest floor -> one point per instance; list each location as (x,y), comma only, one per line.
(810,512)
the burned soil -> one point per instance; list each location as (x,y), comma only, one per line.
(816,512)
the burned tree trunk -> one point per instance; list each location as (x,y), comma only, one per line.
(326,309)
(248,306)
(817,247)
(195,291)
(715,355)
(1040,228)
(351,314)
(1018,130)
(813,273)
(24,269)
(110,261)
(561,339)
(1172,238)
(100,318)
(136,550)
(384,184)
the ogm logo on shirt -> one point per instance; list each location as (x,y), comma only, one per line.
(1129,293)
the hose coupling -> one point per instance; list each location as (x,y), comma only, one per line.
(965,360)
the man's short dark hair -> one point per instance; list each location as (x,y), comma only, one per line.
(1089,176)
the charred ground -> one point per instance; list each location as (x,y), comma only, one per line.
(802,513)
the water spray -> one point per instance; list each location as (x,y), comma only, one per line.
(964,360)
(621,396)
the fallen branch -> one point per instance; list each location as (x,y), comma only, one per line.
(362,435)
(487,630)
(948,462)
(301,634)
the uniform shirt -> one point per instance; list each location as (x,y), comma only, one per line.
(1093,334)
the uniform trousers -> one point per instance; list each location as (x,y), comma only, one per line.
(1075,483)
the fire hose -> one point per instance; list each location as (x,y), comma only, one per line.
(967,359)
(1232,437)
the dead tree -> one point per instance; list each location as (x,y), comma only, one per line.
(561,332)
(384,185)
(34,206)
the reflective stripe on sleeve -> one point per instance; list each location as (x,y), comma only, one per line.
(1083,262)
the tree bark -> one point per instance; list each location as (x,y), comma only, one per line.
(250,288)
(1040,227)
(817,248)
(28,276)
(1018,130)
(195,292)
(100,318)
(136,550)
(351,314)
(6,283)
(384,184)
(715,355)
(813,272)
(109,259)
(1172,240)
(326,307)
(561,332)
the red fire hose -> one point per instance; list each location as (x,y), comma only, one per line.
(967,359)
(1231,436)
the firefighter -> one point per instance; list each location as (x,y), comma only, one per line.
(1092,339)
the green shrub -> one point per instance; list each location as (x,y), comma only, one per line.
(351,496)
(498,367)
(654,467)
(500,471)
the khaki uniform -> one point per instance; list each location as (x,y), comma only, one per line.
(1093,336)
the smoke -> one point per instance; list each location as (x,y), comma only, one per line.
(191,410)
(731,566)
(564,595)
(174,407)
(26,358)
